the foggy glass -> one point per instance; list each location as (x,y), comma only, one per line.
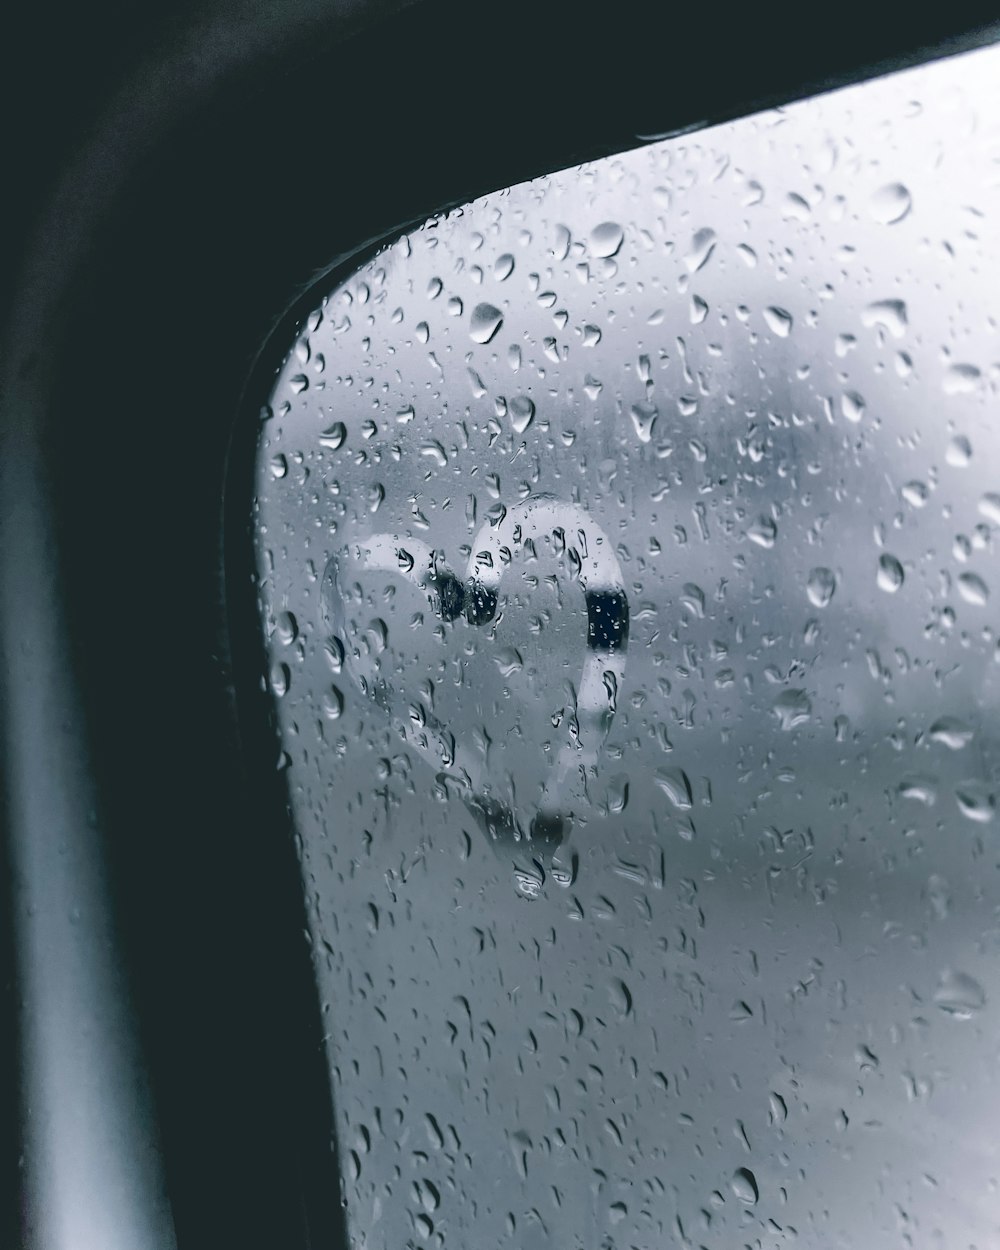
(627,556)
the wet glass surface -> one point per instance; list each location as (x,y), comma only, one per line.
(627,550)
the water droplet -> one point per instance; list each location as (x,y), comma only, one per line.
(279,467)
(939,895)
(333,649)
(747,255)
(508,661)
(591,335)
(795,208)
(561,246)
(975,801)
(675,785)
(918,790)
(287,628)
(281,679)
(333,436)
(890,203)
(433,450)
(528,884)
(959,995)
(890,574)
(692,597)
(973,589)
(744,1186)
(333,703)
(779,321)
(989,507)
(503,267)
(763,532)
(606,239)
(951,732)
(916,494)
(702,247)
(522,413)
(643,419)
(960,379)
(959,452)
(852,405)
(792,708)
(486,321)
(621,997)
(821,586)
(890,313)
(843,344)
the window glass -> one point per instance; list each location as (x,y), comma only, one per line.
(627,555)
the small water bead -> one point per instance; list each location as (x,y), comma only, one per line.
(779,322)
(975,801)
(821,586)
(852,405)
(989,507)
(522,413)
(973,589)
(890,574)
(792,708)
(333,436)
(675,784)
(961,379)
(959,995)
(744,1186)
(701,248)
(763,532)
(890,203)
(591,335)
(643,420)
(333,703)
(916,494)
(486,321)
(888,313)
(959,452)
(918,790)
(280,679)
(606,239)
(287,628)
(951,732)
(333,650)
(434,451)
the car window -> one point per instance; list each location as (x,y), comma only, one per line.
(626,555)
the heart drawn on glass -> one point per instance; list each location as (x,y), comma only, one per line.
(586,559)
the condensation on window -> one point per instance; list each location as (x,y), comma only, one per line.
(627,550)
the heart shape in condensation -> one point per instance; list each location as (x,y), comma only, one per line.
(590,563)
